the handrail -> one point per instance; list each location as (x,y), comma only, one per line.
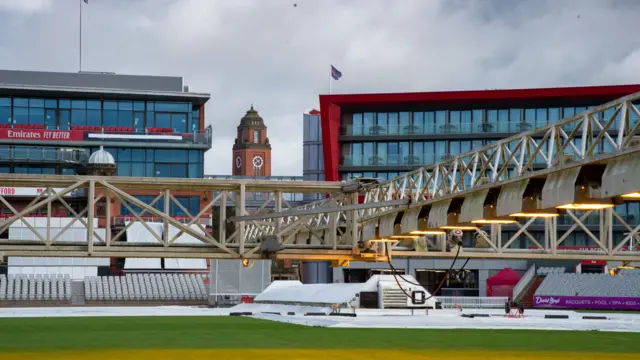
(524,281)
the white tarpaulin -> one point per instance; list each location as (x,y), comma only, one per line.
(286,291)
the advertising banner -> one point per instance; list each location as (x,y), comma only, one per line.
(587,302)
(41,135)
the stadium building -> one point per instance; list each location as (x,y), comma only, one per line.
(385,135)
(76,123)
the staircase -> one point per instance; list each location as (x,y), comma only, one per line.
(527,296)
(77,293)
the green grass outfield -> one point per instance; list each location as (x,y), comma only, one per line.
(79,333)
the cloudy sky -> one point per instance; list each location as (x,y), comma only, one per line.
(277,55)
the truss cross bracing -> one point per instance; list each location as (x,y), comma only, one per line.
(605,135)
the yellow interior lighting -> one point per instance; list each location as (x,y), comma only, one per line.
(405,237)
(537,215)
(463,228)
(585,206)
(383,240)
(427,232)
(497,222)
(635,195)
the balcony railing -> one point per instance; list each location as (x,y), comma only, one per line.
(432,129)
(44,155)
(18,132)
(405,160)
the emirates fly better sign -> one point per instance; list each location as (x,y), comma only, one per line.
(41,135)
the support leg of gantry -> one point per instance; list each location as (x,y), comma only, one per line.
(353,222)
(90,215)
(49,193)
(222,218)
(107,219)
(240,210)
(278,221)
(165,225)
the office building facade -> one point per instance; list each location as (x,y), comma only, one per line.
(385,135)
(152,126)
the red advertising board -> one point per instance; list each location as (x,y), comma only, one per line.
(41,135)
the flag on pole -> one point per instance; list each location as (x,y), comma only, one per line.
(335,74)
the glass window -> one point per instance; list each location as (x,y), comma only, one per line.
(5,101)
(179,170)
(78,104)
(64,104)
(554,115)
(356,128)
(195,170)
(94,104)
(454,119)
(429,123)
(503,120)
(256,136)
(150,106)
(64,120)
(124,154)
(124,169)
(125,118)
(466,124)
(125,105)
(20,102)
(110,118)
(418,123)
(393,122)
(172,107)
(137,169)
(492,121)
(138,105)
(367,122)
(541,118)
(194,156)
(163,120)
(5,115)
(138,121)
(93,118)
(404,123)
(110,105)
(137,155)
(36,102)
(441,118)
(78,117)
(36,116)
(163,170)
(382,119)
(51,103)
(21,115)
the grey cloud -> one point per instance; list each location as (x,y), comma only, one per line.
(278,55)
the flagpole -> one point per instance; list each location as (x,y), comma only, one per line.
(80,38)
(330,78)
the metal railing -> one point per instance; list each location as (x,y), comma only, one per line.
(474,302)
(503,127)
(25,154)
(524,282)
(408,160)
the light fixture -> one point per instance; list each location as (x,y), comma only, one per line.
(427,232)
(460,227)
(493,221)
(536,215)
(382,240)
(635,195)
(405,237)
(585,206)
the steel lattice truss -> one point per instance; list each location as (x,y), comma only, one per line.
(587,138)
(104,233)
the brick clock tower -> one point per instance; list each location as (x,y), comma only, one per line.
(251,150)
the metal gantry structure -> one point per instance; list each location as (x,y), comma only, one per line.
(355,219)
(104,238)
(600,139)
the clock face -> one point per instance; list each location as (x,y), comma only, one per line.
(257,162)
(238,162)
